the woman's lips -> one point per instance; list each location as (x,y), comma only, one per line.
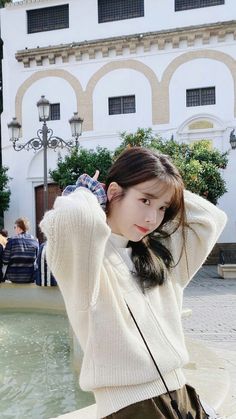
(142,229)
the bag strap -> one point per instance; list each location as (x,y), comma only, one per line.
(174,403)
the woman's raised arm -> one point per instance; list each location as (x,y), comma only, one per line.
(76,233)
(205,223)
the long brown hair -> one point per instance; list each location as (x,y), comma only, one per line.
(136,165)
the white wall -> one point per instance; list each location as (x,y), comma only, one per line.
(196,74)
(227,202)
(159,15)
(122,82)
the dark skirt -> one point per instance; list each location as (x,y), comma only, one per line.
(160,407)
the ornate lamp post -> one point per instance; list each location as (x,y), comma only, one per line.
(232,140)
(45,139)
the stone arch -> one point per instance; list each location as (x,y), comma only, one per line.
(216,122)
(107,68)
(224,58)
(215,131)
(72,80)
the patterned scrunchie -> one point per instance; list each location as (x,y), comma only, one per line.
(93,185)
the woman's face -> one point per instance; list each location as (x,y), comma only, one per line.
(140,211)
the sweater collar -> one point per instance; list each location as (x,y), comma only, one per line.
(118,241)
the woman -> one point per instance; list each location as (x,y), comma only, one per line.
(133,260)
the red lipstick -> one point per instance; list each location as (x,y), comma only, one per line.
(142,229)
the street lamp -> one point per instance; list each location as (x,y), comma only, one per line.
(232,139)
(76,127)
(43,106)
(45,139)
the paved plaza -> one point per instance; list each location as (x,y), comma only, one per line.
(213,320)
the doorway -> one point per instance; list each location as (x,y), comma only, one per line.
(53,192)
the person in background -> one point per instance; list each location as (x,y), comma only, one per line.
(3,242)
(3,237)
(1,264)
(20,254)
(43,275)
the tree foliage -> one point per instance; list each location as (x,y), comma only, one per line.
(3,2)
(141,138)
(81,161)
(4,190)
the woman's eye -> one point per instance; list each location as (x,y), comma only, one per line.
(163,209)
(146,201)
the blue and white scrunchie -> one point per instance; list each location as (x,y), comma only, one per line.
(93,185)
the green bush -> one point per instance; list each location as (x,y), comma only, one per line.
(81,161)
(4,190)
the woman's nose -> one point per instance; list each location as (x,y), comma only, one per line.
(151,217)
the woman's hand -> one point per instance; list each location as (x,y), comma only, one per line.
(96,175)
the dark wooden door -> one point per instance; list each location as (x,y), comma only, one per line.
(53,192)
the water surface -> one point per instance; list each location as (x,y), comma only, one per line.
(37,379)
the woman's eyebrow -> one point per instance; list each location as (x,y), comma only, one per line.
(152,196)
(149,195)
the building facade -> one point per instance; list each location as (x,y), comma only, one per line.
(122,64)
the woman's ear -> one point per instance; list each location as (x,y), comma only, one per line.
(113,190)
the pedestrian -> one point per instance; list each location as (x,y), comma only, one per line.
(3,237)
(1,264)
(3,242)
(122,273)
(43,275)
(20,254)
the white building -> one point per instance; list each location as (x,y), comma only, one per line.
(169,65)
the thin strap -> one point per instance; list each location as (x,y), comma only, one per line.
(159,372)
(174,403)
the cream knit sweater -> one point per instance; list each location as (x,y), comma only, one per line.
(95,281)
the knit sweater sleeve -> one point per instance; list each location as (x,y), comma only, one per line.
(205,222)
(76,233)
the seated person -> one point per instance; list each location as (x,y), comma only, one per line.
(43,275)
(20,254)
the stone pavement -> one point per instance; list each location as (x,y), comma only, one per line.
(213,321)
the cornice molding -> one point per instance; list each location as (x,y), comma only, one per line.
(146,41)
(24,2)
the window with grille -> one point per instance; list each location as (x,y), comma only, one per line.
(48,18)
(109,10)
(54,112)
(121,104)
(194,4)
(200,97)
